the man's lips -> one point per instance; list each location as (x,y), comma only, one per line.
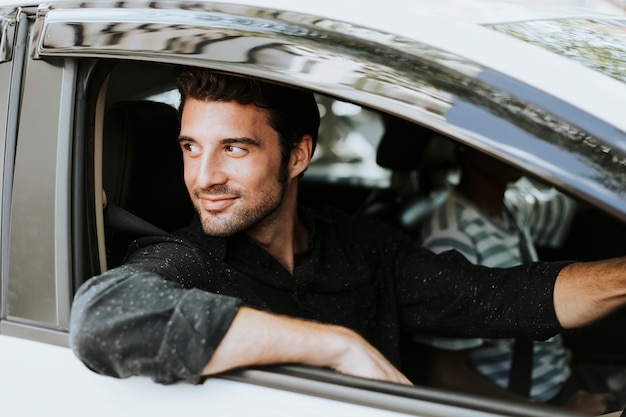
(214,203)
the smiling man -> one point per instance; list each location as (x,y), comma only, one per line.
(256,279)
(236,176)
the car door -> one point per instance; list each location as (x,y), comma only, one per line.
(9,78)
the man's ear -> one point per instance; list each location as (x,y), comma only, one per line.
(301,156)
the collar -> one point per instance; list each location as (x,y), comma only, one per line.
(241,244)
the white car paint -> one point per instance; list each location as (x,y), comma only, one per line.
(44,376)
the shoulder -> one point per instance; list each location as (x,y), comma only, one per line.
(341,228)
(191,237)
(185,257)
(184,241)
(454,213)
(338,220)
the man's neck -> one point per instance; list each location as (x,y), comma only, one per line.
(282,242)
(488,195)
(282,234)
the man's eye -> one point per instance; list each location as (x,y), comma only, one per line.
(235,151)
(191,148)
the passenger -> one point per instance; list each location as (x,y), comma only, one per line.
(497,225)
(256,280)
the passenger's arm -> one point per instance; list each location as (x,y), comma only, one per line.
(450,370)
(586,292)
(260,338)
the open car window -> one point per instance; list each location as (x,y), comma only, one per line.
(375,165)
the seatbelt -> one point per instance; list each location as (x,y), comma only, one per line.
(117,218)
(520,375)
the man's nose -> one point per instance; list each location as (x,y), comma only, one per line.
(212,172)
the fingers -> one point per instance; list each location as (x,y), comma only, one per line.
(371,369)
(390,372)
(363,360)
(590,403)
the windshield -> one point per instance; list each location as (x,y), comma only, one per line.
(599,44)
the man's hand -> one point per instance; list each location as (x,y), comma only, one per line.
(358,358)
(588,403)
(260,338)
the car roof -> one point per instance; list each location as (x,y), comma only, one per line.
(504,44)
(466,28)
(472,29)
(471,11)
(405,16)
(468,11)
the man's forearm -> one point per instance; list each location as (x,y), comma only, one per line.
(586,292)
(260,338)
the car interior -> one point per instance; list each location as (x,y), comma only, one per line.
(368,163)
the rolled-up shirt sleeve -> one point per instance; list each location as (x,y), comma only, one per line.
(137,320)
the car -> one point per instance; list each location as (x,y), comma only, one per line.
(89,121)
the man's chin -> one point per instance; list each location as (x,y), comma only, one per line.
(218,229)
(217,232)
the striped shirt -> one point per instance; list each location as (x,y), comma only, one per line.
(531,215)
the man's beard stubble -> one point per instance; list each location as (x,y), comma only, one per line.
(244,218)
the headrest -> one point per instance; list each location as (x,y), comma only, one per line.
(143,169)
(402,145)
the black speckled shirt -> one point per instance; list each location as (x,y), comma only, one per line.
(164,312)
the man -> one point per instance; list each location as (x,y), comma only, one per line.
(494,219)
(257,280)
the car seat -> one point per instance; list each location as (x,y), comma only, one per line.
(142,173)
(412,195)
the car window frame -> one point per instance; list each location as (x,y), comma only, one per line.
(397,78)
(36,275)
(15,33)
(8,24)
(322,383)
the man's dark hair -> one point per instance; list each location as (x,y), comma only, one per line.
(293,113)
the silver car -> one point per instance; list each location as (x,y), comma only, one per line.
(88,113)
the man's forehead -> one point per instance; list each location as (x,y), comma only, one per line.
(229,118)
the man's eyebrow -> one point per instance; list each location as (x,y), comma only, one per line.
(227,141)
(242,140)
(182,139)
